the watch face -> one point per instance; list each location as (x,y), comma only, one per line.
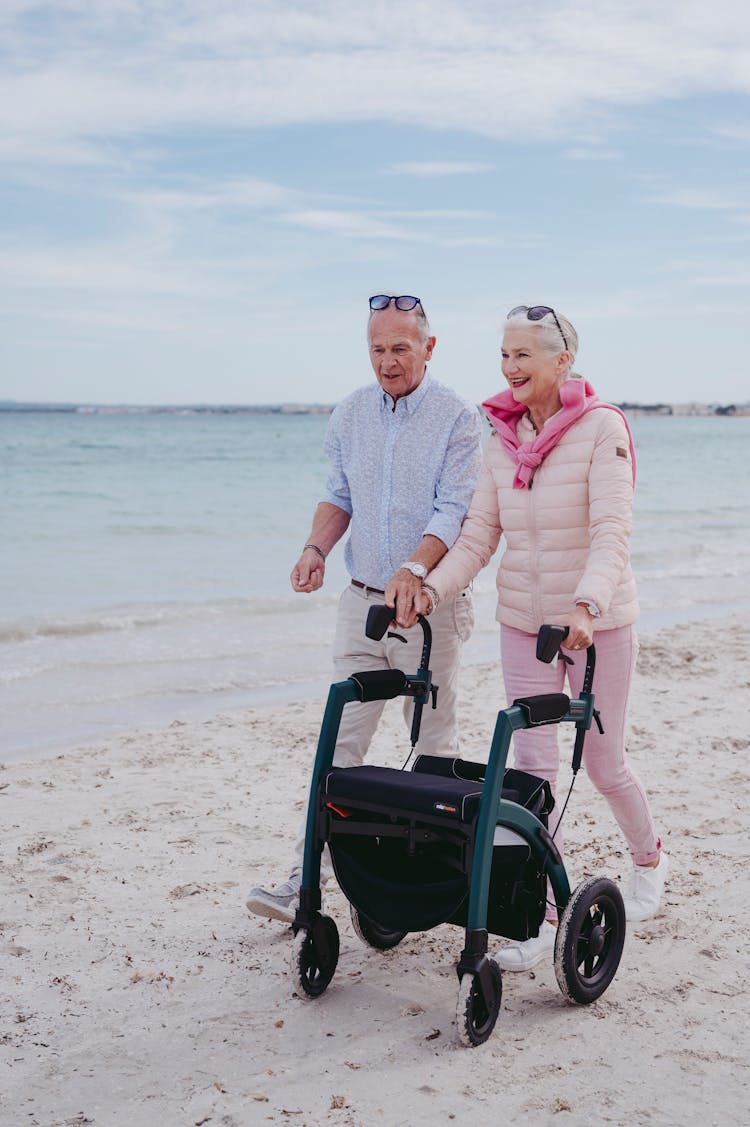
(418,569)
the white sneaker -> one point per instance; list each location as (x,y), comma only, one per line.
(644,890)
(524,956)
(279,903)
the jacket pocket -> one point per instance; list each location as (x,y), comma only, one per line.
(463,614)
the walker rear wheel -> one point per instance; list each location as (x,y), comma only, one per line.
(373,934)
(315,953)
(476,1015)
(590,939)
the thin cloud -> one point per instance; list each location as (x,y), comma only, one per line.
(440,213)
(582,153)
(351,225)
(116,268)
(361,225)
(702,199)
(738,133)
(697,272)
(249,193)
(429,169)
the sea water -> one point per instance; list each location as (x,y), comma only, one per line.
(144,568)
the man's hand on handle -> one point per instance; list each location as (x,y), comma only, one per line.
(402,593)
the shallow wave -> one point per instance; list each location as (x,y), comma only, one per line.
(144,617)
(690,570)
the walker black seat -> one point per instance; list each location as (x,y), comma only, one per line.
(391,791)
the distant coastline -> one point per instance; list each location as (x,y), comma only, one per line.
(10,406)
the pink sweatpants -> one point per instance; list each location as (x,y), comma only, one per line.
(536,749)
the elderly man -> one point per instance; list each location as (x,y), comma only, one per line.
(404,456)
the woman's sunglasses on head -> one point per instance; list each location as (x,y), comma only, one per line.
(537,313)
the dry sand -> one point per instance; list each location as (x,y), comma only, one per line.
(136,990)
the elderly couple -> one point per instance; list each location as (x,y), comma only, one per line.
(425,512)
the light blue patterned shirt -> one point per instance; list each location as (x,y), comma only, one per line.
(401,474)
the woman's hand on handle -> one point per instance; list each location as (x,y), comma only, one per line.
(423,603)
(580,629)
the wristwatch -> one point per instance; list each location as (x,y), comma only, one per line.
(415,568)
(590,606)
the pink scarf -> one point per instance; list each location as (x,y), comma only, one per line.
(578,398)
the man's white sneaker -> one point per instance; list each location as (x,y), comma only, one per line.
(279,903)
(644,890)
(524,956)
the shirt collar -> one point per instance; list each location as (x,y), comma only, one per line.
(411,401)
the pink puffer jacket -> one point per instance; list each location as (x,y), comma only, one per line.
(567,537)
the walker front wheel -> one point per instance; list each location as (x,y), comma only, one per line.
(476,1015)
(590,938)
(373,934)
(315,953)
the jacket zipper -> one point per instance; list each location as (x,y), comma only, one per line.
(533,557)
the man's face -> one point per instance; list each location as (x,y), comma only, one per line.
(398,352)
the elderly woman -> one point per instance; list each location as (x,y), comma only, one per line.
(557,482)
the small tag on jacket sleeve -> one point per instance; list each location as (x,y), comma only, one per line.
(622,452)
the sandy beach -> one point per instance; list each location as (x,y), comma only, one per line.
(137,990)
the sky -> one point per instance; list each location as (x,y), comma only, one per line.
(197,198)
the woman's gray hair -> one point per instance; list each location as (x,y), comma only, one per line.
(417,312)
(550,336)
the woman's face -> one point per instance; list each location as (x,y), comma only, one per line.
(534,376)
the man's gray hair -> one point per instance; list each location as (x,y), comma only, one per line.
(417,313)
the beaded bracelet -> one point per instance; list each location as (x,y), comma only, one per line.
(434,597)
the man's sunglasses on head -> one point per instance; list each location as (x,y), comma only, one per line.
(404,301)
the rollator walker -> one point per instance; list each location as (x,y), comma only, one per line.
(452,841)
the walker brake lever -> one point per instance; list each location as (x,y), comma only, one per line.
(398,637)
(598,721)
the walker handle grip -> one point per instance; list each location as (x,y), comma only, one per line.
(379,619)
(548,642)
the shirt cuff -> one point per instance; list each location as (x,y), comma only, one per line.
(339,501)
(444,528)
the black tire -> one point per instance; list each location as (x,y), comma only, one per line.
(371,933)
(590,939)
(475,1015)
(314,963)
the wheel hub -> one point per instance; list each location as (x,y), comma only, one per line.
(596,940)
